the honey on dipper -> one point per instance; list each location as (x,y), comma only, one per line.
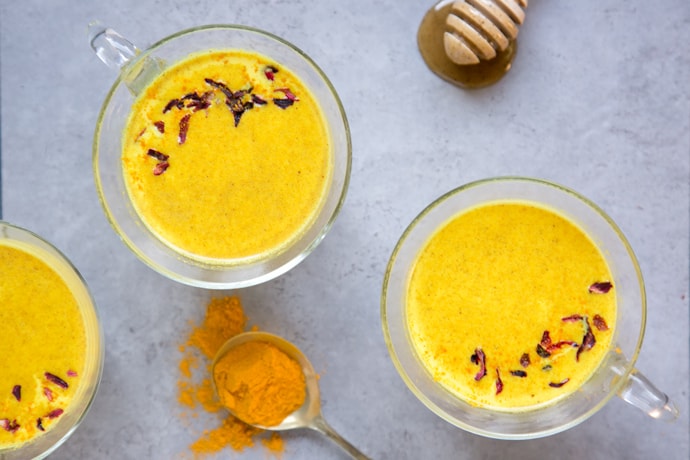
(471,43)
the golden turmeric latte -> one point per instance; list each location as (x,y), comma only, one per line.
(510,306)
(227,157)
(42,345)
(259,383)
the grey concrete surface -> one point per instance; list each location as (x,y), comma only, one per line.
(598,100)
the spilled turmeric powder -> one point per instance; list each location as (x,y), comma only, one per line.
(259,383)
(224,319)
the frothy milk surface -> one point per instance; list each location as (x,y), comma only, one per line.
(227,156)
(499,308)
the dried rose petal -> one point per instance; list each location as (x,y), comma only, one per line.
(601,287)
(572,318)
(588,341)
(545,339)
(548,346)
(160,126)
(561,344)
(8,425)
(71,373)
(541,351)
(221,86)
(559,384)
(48,393)
(238,95)
(39,424)
(55,413)
(160,156)
(600,323)
(184,127)
(524,360)
(238,107)
(173,103)
(160,168)
(288,94)
(56,380)
(200,102)
(17,392)
(499,382)
(258,100)
(193,96)
(518,373)
(270,72)
(479,358)
(283,103)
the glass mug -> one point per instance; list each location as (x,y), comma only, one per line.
(616,375)
(136,70)
(43,445)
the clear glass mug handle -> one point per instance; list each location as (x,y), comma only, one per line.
(110,47)
(640,392)
(121,55)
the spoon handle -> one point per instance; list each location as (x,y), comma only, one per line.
(319,424)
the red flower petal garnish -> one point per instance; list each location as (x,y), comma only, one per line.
(258,100)
(160,126)
(288,94)
(541,351)
(499,382)
(17,392)
(184,127)
(55,413)
(48,393)
(270,72)
(221,86)
(588,341)
(572,318)
(283,103)
(71,373)
(560,344)
(8,425)
(56,380)
(600,323)
(201,102)
(157,155)
(545,340)
(524,360)
(39,424)
(479,358)
(518,373)
(559,384)
(160,168)
(173,103)
(601,287)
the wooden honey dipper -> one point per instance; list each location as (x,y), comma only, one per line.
(478,29)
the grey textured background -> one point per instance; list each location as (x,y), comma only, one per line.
(598,100)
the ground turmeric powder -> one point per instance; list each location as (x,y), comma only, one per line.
(259,383)
(224,319)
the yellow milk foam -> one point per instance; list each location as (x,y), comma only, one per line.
(43,331)
(494,278)
(231,193)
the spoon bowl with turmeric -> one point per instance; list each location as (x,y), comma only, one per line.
(267,382)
